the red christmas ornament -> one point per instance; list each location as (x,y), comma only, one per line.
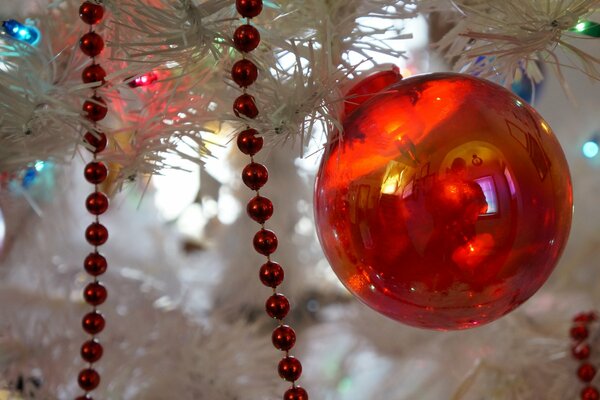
(447,203)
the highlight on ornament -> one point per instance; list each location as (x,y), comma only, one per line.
(445,203)
(25,33)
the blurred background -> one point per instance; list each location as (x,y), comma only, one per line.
(185,307)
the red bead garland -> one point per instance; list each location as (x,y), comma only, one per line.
(95,172)
(581,351)
(244,73)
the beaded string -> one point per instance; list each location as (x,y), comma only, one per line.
(244,73)
(95,172)
(581,351)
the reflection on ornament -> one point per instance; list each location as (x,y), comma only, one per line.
(527,88)
(528,82)
(445,204)
(25,33)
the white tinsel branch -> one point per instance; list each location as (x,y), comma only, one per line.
(39,115)
(495,39)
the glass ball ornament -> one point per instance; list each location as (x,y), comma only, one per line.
(446,202)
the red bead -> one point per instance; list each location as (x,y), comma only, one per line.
(96,234)
(91,13)
(246,38)
(249,143)
(88,379)
(97,203)
(260,209)
(249,8)
(91,351)
(95,293)
(246,106)
(244,73)
(84,397)
(271,274)
(255,175)
(95,109)
(277,306)
(585,317)
(579,332)
(95,264)
(581,351)
(91,44)
(586,372)
(283,337)
(590,393)
(265,242)
(95,172)
(93,322)
(290,369)
(295,393)
(93,73)
(97,141)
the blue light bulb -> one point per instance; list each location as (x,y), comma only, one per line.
(25,33)
(590,149)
